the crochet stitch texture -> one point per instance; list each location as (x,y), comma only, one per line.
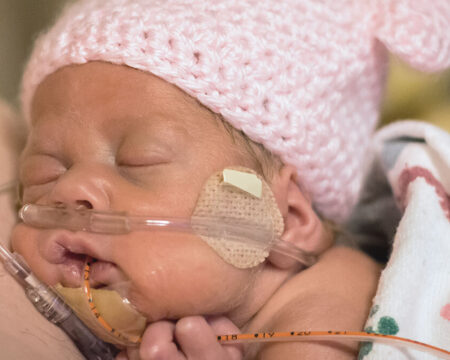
(302,77)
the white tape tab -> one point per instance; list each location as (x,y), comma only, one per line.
(247,182)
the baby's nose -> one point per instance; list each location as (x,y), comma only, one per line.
(81,187)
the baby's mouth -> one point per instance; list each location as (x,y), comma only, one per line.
(71,254)
(72,268)
(75,268)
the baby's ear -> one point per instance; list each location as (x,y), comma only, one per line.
(417,31)
(302,226)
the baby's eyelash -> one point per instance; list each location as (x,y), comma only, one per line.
(41,169)
(39,179)
(142,161)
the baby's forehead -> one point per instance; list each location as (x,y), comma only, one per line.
(116,92)
(111,81)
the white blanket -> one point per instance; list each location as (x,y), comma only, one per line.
(413,297)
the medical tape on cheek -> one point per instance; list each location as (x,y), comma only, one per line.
(236,196)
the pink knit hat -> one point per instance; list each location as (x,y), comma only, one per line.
(302,77)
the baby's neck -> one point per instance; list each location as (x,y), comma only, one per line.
(267,282)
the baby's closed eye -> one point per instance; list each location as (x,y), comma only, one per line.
(139,162)
(141,159)
(40,169)
(142,151)
(37,175)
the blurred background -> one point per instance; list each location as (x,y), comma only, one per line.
(20,22)
(409,95)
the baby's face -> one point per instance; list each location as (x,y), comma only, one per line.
(112,138)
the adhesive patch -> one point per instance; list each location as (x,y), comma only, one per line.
(120,315)
(247,182)
(243,199)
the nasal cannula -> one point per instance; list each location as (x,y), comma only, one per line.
(122,223)
(53,308)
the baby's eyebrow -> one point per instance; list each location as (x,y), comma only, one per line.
(160,129)
(43,136)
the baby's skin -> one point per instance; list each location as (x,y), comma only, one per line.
(24,333)
(112,138)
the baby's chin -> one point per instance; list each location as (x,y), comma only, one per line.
(178,301)
(166,308)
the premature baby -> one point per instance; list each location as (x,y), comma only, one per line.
(134,105)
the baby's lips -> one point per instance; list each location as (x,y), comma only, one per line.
(55,247)
(101,273)
(69,251)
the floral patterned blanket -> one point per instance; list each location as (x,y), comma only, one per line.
(407,199)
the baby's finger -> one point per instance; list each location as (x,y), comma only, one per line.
(198,341)
(158,343)
(221,325)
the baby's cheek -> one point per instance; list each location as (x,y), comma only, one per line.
(177,277)
(21,240)
(163,286)
(24,240)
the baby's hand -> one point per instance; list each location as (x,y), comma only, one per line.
(190,338)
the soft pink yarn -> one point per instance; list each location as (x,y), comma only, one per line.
(302,77)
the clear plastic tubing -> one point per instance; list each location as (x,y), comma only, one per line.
(53,308)
(121,223)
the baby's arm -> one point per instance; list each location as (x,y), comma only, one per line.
(335,294)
